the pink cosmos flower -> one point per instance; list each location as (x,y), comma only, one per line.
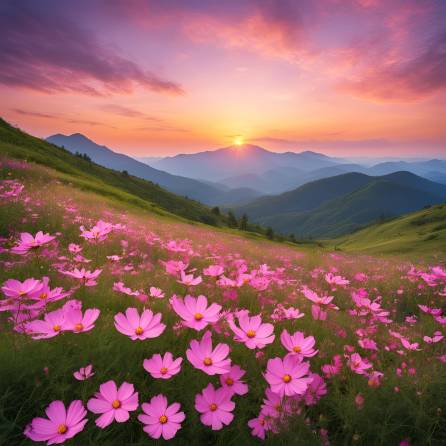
(16,289)
(336,280)
(61,424)
(28,242)
(86,278)
(275,406)
(210,361)
(260,426)
(113,403)
(98,232)
(141,327)
(156,292)
(77,322)
(232,381)
(299,345)
(195,311)
(288,376)
(318,310)
(315,390)
(357,364)
(252,332)
(215,407)
(163,367)
(407,345)
(189,279)
(214,271)
(437,337)
(52,324)
(161,419)
(45,294)
(84,373)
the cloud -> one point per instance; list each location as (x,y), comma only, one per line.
(404,80)
(34,114)
(128,112)
(41,49)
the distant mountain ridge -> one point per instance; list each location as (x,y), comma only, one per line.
(337,205)
(217,165)
(102,155)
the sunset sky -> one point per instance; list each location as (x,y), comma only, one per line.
(346,77)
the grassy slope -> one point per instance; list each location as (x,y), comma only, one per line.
(345,214)
(422,232)
(107,182)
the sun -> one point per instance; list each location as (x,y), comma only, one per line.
(238,141)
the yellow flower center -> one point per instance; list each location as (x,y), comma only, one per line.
(163,419)
(163,370)
(22,293)
(250,333)
(43,296)
(62,428)
(207,361)
(198,316)
(56,327)
(78,327)
(229,381)
(139,330)
(213,407)
(286,378)
(116,404)
(297,349)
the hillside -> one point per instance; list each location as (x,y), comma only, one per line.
(422,232)
(88,175)
(180,185)
(340,204)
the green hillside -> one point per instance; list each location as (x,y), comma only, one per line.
(377,200)
(90,176)
(422,232)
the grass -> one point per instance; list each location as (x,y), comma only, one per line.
(416,411)
(421,233)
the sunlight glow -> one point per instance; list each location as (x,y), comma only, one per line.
(238,141)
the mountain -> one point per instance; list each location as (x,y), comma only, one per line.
(128,189)
(337,205)
(234,161)
(421,168)
(422,232)
(108,158)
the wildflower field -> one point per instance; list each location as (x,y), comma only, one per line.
(122,327)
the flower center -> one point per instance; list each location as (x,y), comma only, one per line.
(116,404)
(278,407)
(22,293)
(229,381)
(62,428)
(213,407)
(163,370)
(286,378)
(207,361)
(139,330)
(56,327)
(297,349)
(78,327)
(163,419)
(198,316)
(250,333)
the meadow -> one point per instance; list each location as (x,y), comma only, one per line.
(317,347)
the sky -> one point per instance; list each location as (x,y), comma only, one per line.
(160,77)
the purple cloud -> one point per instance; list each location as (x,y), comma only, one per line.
(43,50)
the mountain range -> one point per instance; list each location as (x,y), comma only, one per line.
(341,204)
(207,193)
(308,194)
